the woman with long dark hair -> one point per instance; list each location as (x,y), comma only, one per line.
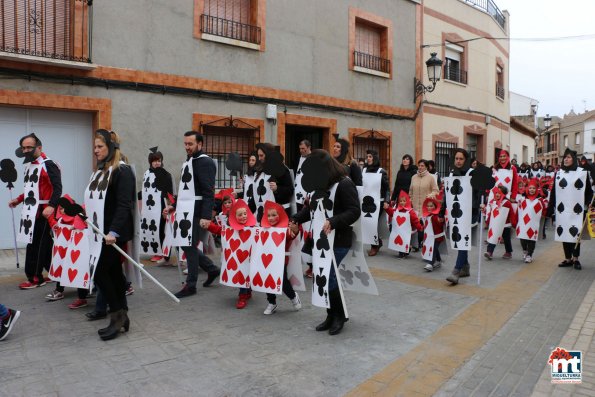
(342,154)
(373,170)
(403,178)
(267,187)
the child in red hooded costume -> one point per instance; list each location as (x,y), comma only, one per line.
(434,227)
(531,209)
(404,205)
(501,201)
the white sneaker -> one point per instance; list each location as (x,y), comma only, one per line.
(270,309)
(297,303)
(185,271)
(428,267)
(524,255)
(528,259)
(437,265)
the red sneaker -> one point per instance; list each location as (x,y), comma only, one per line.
(242,301)
(308,273)
(28,285)
(77,304)
(156,258)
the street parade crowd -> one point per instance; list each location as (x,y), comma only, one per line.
(276,221)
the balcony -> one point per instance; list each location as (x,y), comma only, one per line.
(371,63)
(500,91)
(230,30)
(490,8)
(455,74)
(54,32)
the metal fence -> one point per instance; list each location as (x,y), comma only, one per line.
(489,7)
(500,91)
(56,29)
(455,74)
(371,62)
(229,29)
(374,141)
(444,153)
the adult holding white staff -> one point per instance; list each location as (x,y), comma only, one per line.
(109,202)
(42,190)
(194,207)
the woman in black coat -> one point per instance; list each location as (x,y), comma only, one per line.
(346,211)
(281,186)
(373,166)
(341,154)
(403,179)
(118,227)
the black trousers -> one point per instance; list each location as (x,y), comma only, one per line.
(528,245)
(110,278)
(39,252)
(81,292)
(287,289)
(570,251)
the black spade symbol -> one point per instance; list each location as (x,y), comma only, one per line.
(186,177)
(368,206)
(563,183)
(578,209)
(147,184)
(320,282)
(560,230)
(579,184)
(455,235)
(573,231)
(560,207)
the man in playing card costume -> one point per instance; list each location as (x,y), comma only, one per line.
(157,184)
(335,195)
(299,192)
(460,201)
(42,190)
(194,207)
(109,203)
(501,218)
(70,244)
(433,234)
(531,209)
(405,223)
(570,199)
(373,175)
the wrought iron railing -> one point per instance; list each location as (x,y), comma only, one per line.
(371,62)
(56,29)
(489,7)
(229,29)
(500,91)
(455,74)
(444,151)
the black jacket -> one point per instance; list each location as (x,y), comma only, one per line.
(354,172)
(403,181)
(284,192)
(346,211)
(384,182)
(119,203)
(204,171)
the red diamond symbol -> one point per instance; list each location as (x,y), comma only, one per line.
(507,180)
(490,233)
(526,218)
(524,204)
(537,208)
(530,233)
(496,213)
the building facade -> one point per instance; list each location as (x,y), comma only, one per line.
(548,141)
(239,71)
(576,134)
(469,107)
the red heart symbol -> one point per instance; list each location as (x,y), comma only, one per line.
(278,237)
(77,237)
(431,249)
(270,283)
(166,251)
(55,250)
(238,278)
(242,255)
(52,271)
(401,220)
(264,235)
(226,254)
(62,251)
(266,259)
(423,249)
(245,235)
(85,279)
(58,231)
(228,233)
(224,276)
(58,272)
(407,248)
(234,244)
(399,240)
(74,255)
(232,264)
(496,212)
(72,274)
(67,233)
(257,280)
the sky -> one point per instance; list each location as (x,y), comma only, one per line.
(560,74)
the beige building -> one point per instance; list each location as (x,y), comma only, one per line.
(469,107)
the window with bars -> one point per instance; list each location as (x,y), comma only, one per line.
(499,82)
(374,141)
(232,19)
(371,47)
(453,63)
(226,136)
(443,153)
(57,29)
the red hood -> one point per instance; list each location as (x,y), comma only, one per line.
(407,203)
(507,163)
(283,219)
(436,210)
(233,222)
(532,182)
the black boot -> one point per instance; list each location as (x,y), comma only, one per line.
(118,321)
(338,313)
(326,324)
(95,315)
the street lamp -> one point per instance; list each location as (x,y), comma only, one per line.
(434,65)
(547,121)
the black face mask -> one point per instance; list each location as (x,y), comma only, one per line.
(27,157)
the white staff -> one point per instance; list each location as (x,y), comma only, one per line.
(14,230)
(138,265)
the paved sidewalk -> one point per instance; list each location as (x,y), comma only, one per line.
(419,337)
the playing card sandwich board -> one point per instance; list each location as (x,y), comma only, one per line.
(433,234)
(370,204)
(531,209)
(500,218)
(405,224)
(150,215)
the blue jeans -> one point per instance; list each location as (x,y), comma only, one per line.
(461,259)
(339,255)
(3,311)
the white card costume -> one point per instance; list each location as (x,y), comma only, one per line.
(369,196)
(298,191)
(150,216)
(427,248)
(322,257)
(503,177)
(267,260)
(570,197)
(236,246)
(354,272)
(529,218)
(498,216)
(459,201)
(295,272)
(31,201)
(401,230)
(249,189)
(182,232)
(261,191)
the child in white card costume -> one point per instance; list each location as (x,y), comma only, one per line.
(405,224)
(530,211)
(275,216)
(498,224)
(433,233)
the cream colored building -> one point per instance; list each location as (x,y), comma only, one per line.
(469,106)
